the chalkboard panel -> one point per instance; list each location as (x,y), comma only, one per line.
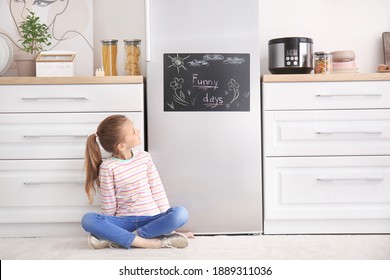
(206,82)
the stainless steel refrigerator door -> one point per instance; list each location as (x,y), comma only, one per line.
(209,162)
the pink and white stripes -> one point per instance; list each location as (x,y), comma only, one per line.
(131,187)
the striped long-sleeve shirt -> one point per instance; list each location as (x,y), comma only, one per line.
(131,187)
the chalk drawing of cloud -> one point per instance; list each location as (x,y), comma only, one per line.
(213,57)
(234,60)
(198,63)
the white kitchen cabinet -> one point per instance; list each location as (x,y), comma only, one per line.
(72,98)
(53,135)
(44,124)
(43,184)
(326,95)
(323,132)
(326,158)
(318,189)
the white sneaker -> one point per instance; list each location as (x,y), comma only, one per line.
(96,243)
(174,240)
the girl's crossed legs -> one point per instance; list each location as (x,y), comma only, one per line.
(136,231)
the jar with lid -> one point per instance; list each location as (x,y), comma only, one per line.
(322,63)
(132,57)
(109,54)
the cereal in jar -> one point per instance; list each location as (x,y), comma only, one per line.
(322,63)
(132,57)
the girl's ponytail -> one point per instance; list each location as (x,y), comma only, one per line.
(110,135)
(93,159)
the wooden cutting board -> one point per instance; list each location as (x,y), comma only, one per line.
(386,47)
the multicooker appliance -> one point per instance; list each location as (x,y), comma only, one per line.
(290,55)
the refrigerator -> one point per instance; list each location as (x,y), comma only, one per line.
(203,110)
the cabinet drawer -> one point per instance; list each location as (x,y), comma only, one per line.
(52,135)
(341,132)
(72,98)
(327,188)
(42,183)
(42,190)
(326,95)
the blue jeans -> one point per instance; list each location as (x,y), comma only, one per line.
(120,229)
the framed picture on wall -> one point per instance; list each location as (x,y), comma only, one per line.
(70,24)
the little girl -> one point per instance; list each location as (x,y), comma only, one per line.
(135,208)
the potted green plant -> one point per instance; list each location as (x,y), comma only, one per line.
(35,37)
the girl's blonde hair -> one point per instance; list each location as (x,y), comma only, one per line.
(109,134)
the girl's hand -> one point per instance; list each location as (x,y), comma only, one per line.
(189,234)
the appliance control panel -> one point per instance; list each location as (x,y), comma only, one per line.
(291,57)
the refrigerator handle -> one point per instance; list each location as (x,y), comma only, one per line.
(147,31)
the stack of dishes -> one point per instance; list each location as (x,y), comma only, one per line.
(344,62)
(6,54)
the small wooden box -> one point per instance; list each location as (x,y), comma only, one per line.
(56,64)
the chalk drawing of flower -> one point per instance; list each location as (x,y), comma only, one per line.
(176,83)
(178,95)
(233,85)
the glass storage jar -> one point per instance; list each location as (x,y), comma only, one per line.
(109,54)
(132,57)
(322,63)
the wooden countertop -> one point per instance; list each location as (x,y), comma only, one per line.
(325,77)
(71,80)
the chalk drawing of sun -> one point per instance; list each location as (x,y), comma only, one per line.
(178,62)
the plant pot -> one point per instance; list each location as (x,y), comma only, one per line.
(25,63)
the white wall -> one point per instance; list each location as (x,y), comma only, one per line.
(332,24)
(118,19)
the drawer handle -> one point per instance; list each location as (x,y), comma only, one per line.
(350,95)
(357,179)
(55,98)
(55,136)
(54,183)
(349,132)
